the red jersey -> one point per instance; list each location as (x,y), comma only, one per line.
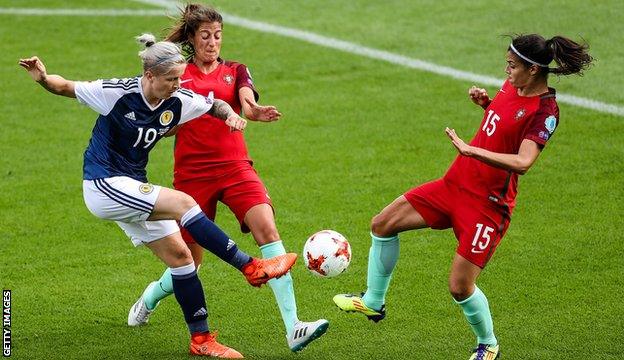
(508,120)
(205,143)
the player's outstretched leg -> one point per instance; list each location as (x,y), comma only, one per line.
(298,333)
(382,258)
(257,272)
(211,237)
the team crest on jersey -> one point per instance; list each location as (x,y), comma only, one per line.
(229,79)
(550,123)
(146,189)
(166,117)
(519,114)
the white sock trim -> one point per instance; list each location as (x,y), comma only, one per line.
(191,213)
(183,270)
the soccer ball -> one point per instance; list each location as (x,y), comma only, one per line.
(327,253)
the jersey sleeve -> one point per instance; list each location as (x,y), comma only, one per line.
(543,124)
(194,105)
(243,79)
(101,95)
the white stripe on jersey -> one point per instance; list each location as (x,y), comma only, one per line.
(102,95)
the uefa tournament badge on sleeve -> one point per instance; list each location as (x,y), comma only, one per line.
(550,123)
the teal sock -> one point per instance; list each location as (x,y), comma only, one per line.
(477,312)
(158,290)
(382,257)
(282,287)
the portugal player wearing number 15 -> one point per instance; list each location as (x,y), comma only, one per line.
(477,194)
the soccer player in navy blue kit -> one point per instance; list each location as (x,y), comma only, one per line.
(134,114)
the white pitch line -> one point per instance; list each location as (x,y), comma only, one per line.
(327,42)
(80,12)
(397,59)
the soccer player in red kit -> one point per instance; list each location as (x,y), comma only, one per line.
(212,163)
(476,197)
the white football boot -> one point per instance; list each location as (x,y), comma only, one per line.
(139,313)
(306,332)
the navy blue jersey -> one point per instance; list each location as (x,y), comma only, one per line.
(128,126)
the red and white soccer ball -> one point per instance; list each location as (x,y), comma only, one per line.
(327,253)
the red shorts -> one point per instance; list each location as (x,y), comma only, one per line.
(237,185)
(479,224)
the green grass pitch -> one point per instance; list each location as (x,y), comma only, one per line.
(355,134)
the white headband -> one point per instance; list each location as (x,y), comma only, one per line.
(525,58)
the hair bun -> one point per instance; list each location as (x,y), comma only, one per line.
(146,39)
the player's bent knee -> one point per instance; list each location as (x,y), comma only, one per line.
(181,256)
(185,201)
(381,226)
(460,290)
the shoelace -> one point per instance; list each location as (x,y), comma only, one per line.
(481,352)
(143,313)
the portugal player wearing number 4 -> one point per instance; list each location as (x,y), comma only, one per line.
(477,195)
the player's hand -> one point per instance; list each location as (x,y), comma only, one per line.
(236,122)
(459,144)
(478,96)
(262,113)
(35,68)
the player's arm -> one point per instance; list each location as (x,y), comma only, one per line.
(479,96)
(518,163)
(222,110)
(254,111)
(55,84)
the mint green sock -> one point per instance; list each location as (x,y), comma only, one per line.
(382,257)
(282,287)
(477,312)
(158,290)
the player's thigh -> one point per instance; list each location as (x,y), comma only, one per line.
(120,198)
(479,228)
(398,216)
(205,192)
(146,232)
(172,250)
(171,204)
(249,200)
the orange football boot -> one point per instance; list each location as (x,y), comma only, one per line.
(259,271)
(205,344)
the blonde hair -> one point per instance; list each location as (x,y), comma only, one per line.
(159,57)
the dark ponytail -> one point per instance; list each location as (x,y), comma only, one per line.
(571,57)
